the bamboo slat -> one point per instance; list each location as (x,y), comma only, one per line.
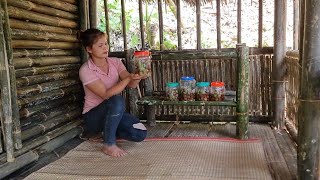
(93,16)
(58,5)
(198,24)
(140,20)
(29,145)
(27,112)
(123,25)
(45,70)
(193,55)
(27,5)
(46,52)
(45,87)
(21,44)
(179,24)
(160,14)
(48,96)
(45,36)
(75,2)
(49,114)
(1,124)
(239,10)
(37,79)
(218,24)
(44,61)
(40,18)
(296,19)
(18,24)
(5,91)
(41,128)
(15,110)
(260,28)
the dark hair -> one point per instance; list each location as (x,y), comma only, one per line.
(89,36)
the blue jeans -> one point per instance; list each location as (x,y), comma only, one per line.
(109,117)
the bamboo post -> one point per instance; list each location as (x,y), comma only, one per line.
(295,24)
(106,13)
(179,24)
(160,24)
(260,23)
(278,65)
(239,9)
(83,26)
(1,122)
(242,91)
(198,21)
(93,13)
(5,93)
(309,110)
(133,92)
(218,25)
(15,109)
(301,29)
(124,31)
(143,43)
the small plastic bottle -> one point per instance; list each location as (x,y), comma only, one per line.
(142,62)
(172,91)
(217,91)
(187,88)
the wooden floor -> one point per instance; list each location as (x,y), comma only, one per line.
(280,151)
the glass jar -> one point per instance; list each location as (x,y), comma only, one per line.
(217,91)
(172,91)
(202,91)
(187,88)
(142,63)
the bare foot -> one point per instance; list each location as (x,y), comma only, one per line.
(113,151)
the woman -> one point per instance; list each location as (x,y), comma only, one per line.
(103,79)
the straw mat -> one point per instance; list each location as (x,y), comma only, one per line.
(163,159)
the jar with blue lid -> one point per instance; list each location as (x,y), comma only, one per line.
(172,91)
(202,91)
(187,88)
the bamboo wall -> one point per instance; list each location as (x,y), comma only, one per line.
(43,71)
(216,70)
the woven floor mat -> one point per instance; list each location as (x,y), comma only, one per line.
(162,159)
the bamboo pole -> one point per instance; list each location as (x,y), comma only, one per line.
(83,26)
(301,30)
(43,116)
(75,2)
(21,161)
(260,23)
(14,23)
(193,55)
(41,128)
(106,13)
(15,110)
(123,25)
(27,146)
(6,93)
(44,61)
(27,112)
(198,21)
(27,5)
(20,34)
(58,5)
(46,87)
(143,43)
(239,9)
(243,91)
(40,18)
(48,96)
(133,92)
(46,69)
(160,24)
(93,13)
(18,53)
(1,122)
(218,25)
(296,24)
(37,79)
(278,65)
(309,96)
(29,44)
(179,24)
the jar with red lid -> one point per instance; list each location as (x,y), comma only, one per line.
(142,62)
(217,91)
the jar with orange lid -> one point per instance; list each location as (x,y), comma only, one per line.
(142,62)
(217,91)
